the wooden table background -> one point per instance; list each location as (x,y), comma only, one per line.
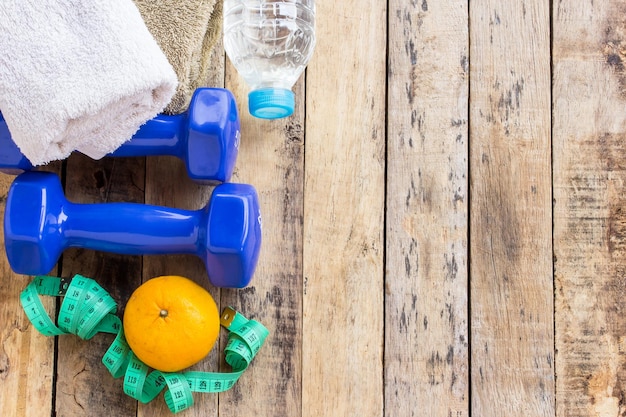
(444,231)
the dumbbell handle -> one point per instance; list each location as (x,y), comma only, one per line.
(162,135)
(206,137)
(132,229)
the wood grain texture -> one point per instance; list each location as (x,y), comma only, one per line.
(271,158)
(512,336)
(84,386)
(26,357)
(589,131)
(168,185)
(426,323)
(344,196)
(411,210)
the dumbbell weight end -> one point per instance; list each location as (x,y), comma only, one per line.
(12,161)
(206,137)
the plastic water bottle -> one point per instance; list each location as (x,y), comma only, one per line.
(270,43)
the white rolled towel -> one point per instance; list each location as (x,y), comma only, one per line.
(78,75)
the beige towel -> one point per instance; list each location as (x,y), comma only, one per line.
(186,31)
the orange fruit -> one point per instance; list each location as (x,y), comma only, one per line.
(171,323)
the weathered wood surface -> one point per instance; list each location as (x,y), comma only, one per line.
(168,185)
(589,136)
(443,227)
(511,296)
(344,195)
(271,157)
(426,323)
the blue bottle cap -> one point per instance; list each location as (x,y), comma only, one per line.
(271,103)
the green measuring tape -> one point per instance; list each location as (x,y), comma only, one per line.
(87,309)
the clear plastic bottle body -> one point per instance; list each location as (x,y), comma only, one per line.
(270,43)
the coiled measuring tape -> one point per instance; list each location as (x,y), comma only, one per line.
(87,309)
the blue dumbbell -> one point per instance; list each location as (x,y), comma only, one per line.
(206,137)
(40,223)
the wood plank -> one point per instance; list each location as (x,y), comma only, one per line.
(426,323)
(26,356)
(344,197)
(511,289)
(84,386)
(271,158)
(589,135)
(168,185)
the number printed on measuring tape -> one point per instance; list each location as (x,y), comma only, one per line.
(36,313)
